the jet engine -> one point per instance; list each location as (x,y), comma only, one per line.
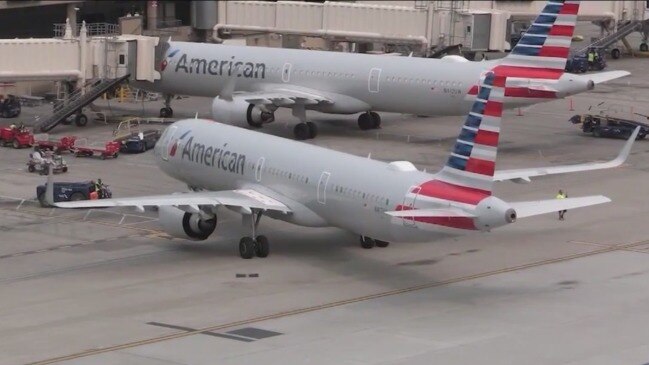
(492,212)
(238,110)
(181,224)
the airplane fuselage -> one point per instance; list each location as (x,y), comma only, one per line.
(354,82)
(321,187)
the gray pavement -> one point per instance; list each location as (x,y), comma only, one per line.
(108,288)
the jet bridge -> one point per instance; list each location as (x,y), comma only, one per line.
(85,66)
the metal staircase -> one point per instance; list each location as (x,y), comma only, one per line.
(78,100)
(622,31)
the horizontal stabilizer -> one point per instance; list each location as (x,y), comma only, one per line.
(600,77)
(448,212)
(524,175)
(532,208)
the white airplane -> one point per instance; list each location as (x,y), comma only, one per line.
(258,175)
(251,83)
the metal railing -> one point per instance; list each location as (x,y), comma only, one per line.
(92,29)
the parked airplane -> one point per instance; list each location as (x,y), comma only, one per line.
(251,83)
(311,186)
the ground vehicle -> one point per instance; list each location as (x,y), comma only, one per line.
(18,137)
(111,149)
(133,138)
(140,143)
(43,142)
(72,191)
(578,63)
(42,163)
(10,107)
(606,126)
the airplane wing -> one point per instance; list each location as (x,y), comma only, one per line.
(244,198)
(284,97)
(532,208)
(600,77)
(524,175)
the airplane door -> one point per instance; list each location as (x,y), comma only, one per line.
(374,79)
(286,72)
(409,203)
(322,187)
(259,168)
(169,133)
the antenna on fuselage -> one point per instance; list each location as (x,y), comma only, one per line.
(196,115)
(369,156)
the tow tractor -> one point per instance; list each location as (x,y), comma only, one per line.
(73,191)
(607,126)
(18,137)
(42,162)
(133,138)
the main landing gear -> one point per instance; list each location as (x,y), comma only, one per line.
(167,112)
(369,120)
(303,130)
(368,243)
(254,245)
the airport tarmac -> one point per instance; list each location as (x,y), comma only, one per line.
(110,287)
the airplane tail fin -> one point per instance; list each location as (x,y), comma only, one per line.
(543,50)
(472,162)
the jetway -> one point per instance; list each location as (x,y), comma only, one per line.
(85,67)
(78,59)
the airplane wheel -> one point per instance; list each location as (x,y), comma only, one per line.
(81,120)
(644,47)
(313,129)
(367,242)
(166,112)
(376,120)
(262,248)
(615,53)
(381,243)
(301,131)
(246,248)
(365,121)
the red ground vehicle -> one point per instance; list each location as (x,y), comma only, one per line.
(111,149)
(18,137)
(57,145)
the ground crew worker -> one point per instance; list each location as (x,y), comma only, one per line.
(562,195)
(591,58)
(98,188)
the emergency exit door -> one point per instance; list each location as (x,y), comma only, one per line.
(374,79)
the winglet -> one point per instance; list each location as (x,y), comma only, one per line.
(49,187)
(230,83)
(624,153)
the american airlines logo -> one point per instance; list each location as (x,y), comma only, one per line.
(202,66)
(218,157)
(164,62)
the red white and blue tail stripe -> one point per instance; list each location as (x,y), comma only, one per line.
(538,60)
(473,159)
(467,177)
(543,50)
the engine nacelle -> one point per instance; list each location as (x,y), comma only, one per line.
(493,212)
(181,224)
(238,110)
